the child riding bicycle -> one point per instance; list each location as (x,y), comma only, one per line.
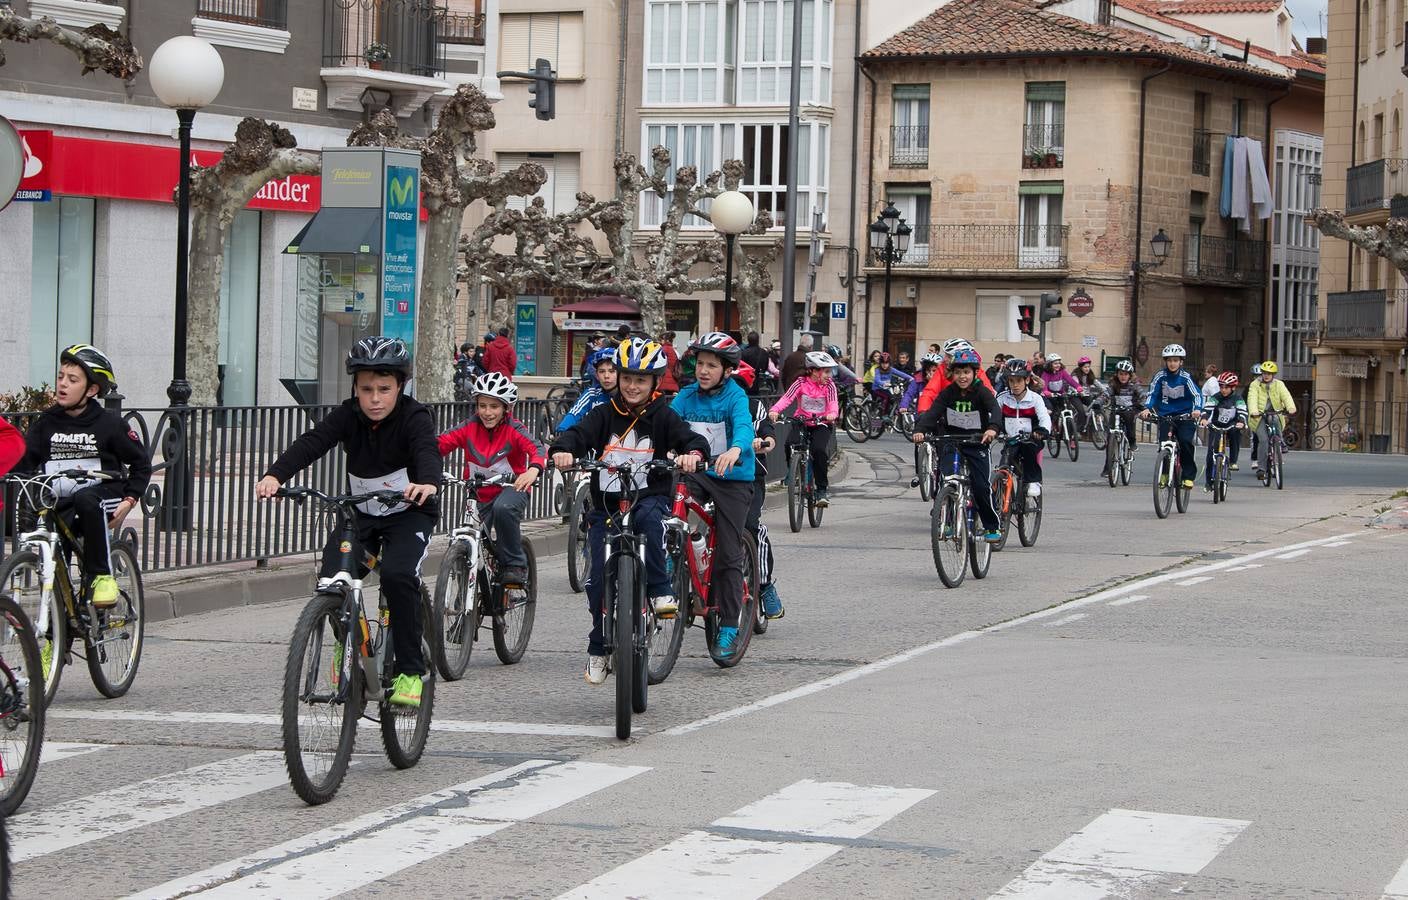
(1266,394)
(1225,409)
(390,442)
(966,408)
(764,440)
(1024,412)
(817,409)
(1126,398)
(602,364)
(1174,392)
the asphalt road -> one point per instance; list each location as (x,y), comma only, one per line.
(1209,704)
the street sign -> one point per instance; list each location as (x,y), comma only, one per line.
(838,310)
(1080,304)
(1089,342)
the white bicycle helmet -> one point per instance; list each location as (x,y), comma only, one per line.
(496,385)
(1256,370)
(1124,365)
(1174,350)
(820,359)
(1053,357)
(953,344)
(931,359)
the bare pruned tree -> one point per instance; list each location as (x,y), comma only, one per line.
(1389,240)
(97,47)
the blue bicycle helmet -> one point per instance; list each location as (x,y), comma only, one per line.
(965,357)
(605,354)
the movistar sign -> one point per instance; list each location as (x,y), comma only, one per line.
(401,193)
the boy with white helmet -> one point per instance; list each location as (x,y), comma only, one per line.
(1174,392)
(493,445)
(817,408)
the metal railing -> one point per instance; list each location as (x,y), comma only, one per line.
(1225,260)
(1367,315)
(909,145)
(261,13)
(394,35)
(1202,152)
(1350,426)
(985,248)
(1043,146)
(463,28)
(1372,185)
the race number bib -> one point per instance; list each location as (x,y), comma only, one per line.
(397,481)
(971,420)
(716,433)
(1124,401)
(499,466)
(1017,425)
(1174,391)
(67,487)
(812,405)
(1226,414)
(627,449)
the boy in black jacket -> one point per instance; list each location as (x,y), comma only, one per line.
(390,442)
(634,426)
(77,433)
(967,407)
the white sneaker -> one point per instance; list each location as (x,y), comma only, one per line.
(1034,489)
(665,606)
(596,669)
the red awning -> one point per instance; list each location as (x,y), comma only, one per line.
(606,305)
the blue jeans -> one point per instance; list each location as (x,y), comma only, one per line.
(647,520)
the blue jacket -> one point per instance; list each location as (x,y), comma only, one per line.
(726,407)
(1174,393)
(591,398)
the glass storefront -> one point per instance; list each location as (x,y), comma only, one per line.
(61,282)
(239,312)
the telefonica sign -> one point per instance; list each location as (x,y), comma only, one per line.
(352,177)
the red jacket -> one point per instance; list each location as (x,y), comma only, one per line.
(936,384)
(11,449)
(669,382)
(499,357)
(504,449)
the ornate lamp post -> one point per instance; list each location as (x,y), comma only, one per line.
(732,214)
(889,241)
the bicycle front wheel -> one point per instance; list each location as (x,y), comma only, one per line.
(623,652)
(1163,485)
(22,578)
(948,536)
(513,622)
(855,421)
(320,712)
(21,706)
(1112,461)
(1029,525)
(1002,498)
(404,729)
(114,655)
(796,491)
(979,554)
(667,635)
(454,615)
(579,558)
(924,469)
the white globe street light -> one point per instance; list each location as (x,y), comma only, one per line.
(732,214)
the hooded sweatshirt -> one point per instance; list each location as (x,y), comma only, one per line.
(614,433)
(501,450)
(94,439)
(721,416)
(500,357)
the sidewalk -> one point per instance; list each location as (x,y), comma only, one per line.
(191,592)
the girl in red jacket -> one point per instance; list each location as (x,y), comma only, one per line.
(493,445)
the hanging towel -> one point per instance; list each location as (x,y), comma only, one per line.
(1224,205)
(1241,190)
(1260,184)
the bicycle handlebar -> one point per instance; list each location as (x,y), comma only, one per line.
(955,439)
(596,465)
(73,474)
(299,494)
(478,480)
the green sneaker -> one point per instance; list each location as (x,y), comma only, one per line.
(337,651)
(103,592)
(405,691)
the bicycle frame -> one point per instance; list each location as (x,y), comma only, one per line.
(700,570)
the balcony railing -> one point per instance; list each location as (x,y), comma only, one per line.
(261,13)
(1367,316)
(1225,260)
(393,35)
(1373,185)
(463,28)
(1202,152)
(986,248)
(909,145)
(1043,146)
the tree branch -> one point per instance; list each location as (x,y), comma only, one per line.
(1389,241)
(97,47)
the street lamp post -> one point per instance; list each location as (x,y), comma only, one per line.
(186,74)
(732,214)
(889,241)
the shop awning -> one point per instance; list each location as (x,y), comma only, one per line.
(339,230)
(606,305)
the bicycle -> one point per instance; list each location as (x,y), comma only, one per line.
(579,556)
(1220,471)
(924,471)
(953,537)
(470,586)
(801,481)
(1275,451)
(1168,471)
(44,576)
(21,706)
(1095,424)
(325,689)
(1009,491)
(1119,454)
(1064,432)
(856,417)
(628,636)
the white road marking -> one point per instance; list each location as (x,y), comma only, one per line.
(964,637)
(1397,889)
(56,751)
(355,853)
(1189,582)
(1339,544)
(1121,851)
(705,865)
(1294,553)
(122,809)
(1135,598)
(158,717)
(1066,620)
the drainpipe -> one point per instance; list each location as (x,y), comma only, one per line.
(1353,137)
(1266,295)
(855,178)
(869,197)
(1139,210)
(623,17)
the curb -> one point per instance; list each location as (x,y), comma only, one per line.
(173,595)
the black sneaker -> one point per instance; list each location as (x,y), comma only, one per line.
(515,576)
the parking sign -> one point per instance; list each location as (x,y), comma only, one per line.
(838,310)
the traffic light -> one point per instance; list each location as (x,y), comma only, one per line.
(544,90)
(1050,307)
(1026,316)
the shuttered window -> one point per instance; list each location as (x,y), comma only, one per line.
(556,37)
(559,192)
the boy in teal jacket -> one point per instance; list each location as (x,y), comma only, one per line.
(717,408)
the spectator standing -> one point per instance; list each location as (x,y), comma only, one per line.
(904,364)
(755,356)
(795,365)
(670,378)
(775,355)
(499,356)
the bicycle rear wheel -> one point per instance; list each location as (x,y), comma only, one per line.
(747,613)
(979,554)
(1073,447)
(1029,525)
(319,712)
(1099,436)
(1003,488)
(21,706)
(513,622)
(22,578)
(579,558)
(454,615)
(113,658)
(404,730)
(1276,473)
(924,468)
(1163,485)
(623,652)
(1054,441)
(856,421)
(667,635)
(796,492)
(1126,463)
(814,512)
(1180,493)
(947,536)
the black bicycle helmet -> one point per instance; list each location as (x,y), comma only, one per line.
(379,354)
(94,363)
(1017,367)
(721,345)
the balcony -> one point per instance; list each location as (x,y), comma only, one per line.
(463,28)
(1043,146)
(1367,316)
(1202,152)
(1232,261)
(909,146)
(971,249)
(392,46)
(258,13)
(1370,188)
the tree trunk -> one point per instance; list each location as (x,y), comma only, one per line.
(652,309)
(435,327)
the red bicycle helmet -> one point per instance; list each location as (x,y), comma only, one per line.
(884,357)
(1228,379)
(746,374)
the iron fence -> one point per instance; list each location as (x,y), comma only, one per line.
(909,145)
(1351,426)
(261,13)
(1367,315)
(200,509)
(463,28)
(395,35)
(985,248)
(1202,152)
(1225,260)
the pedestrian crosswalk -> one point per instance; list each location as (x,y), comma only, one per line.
(793,827)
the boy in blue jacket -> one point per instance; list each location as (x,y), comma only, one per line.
(602,363)
(717,408)
(1174,392)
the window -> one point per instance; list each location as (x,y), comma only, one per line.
(689,145)
(997,316)
(685,46)
(559,192)
(239,312)
(1044,136)
(61,282)
(1041,237)
(914,204)
(1381,27)
(557,37)
(1239,117)
(1378,133)
(1362,145)
(1364,31)
(1401,10)
(909,133)
(766,35)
